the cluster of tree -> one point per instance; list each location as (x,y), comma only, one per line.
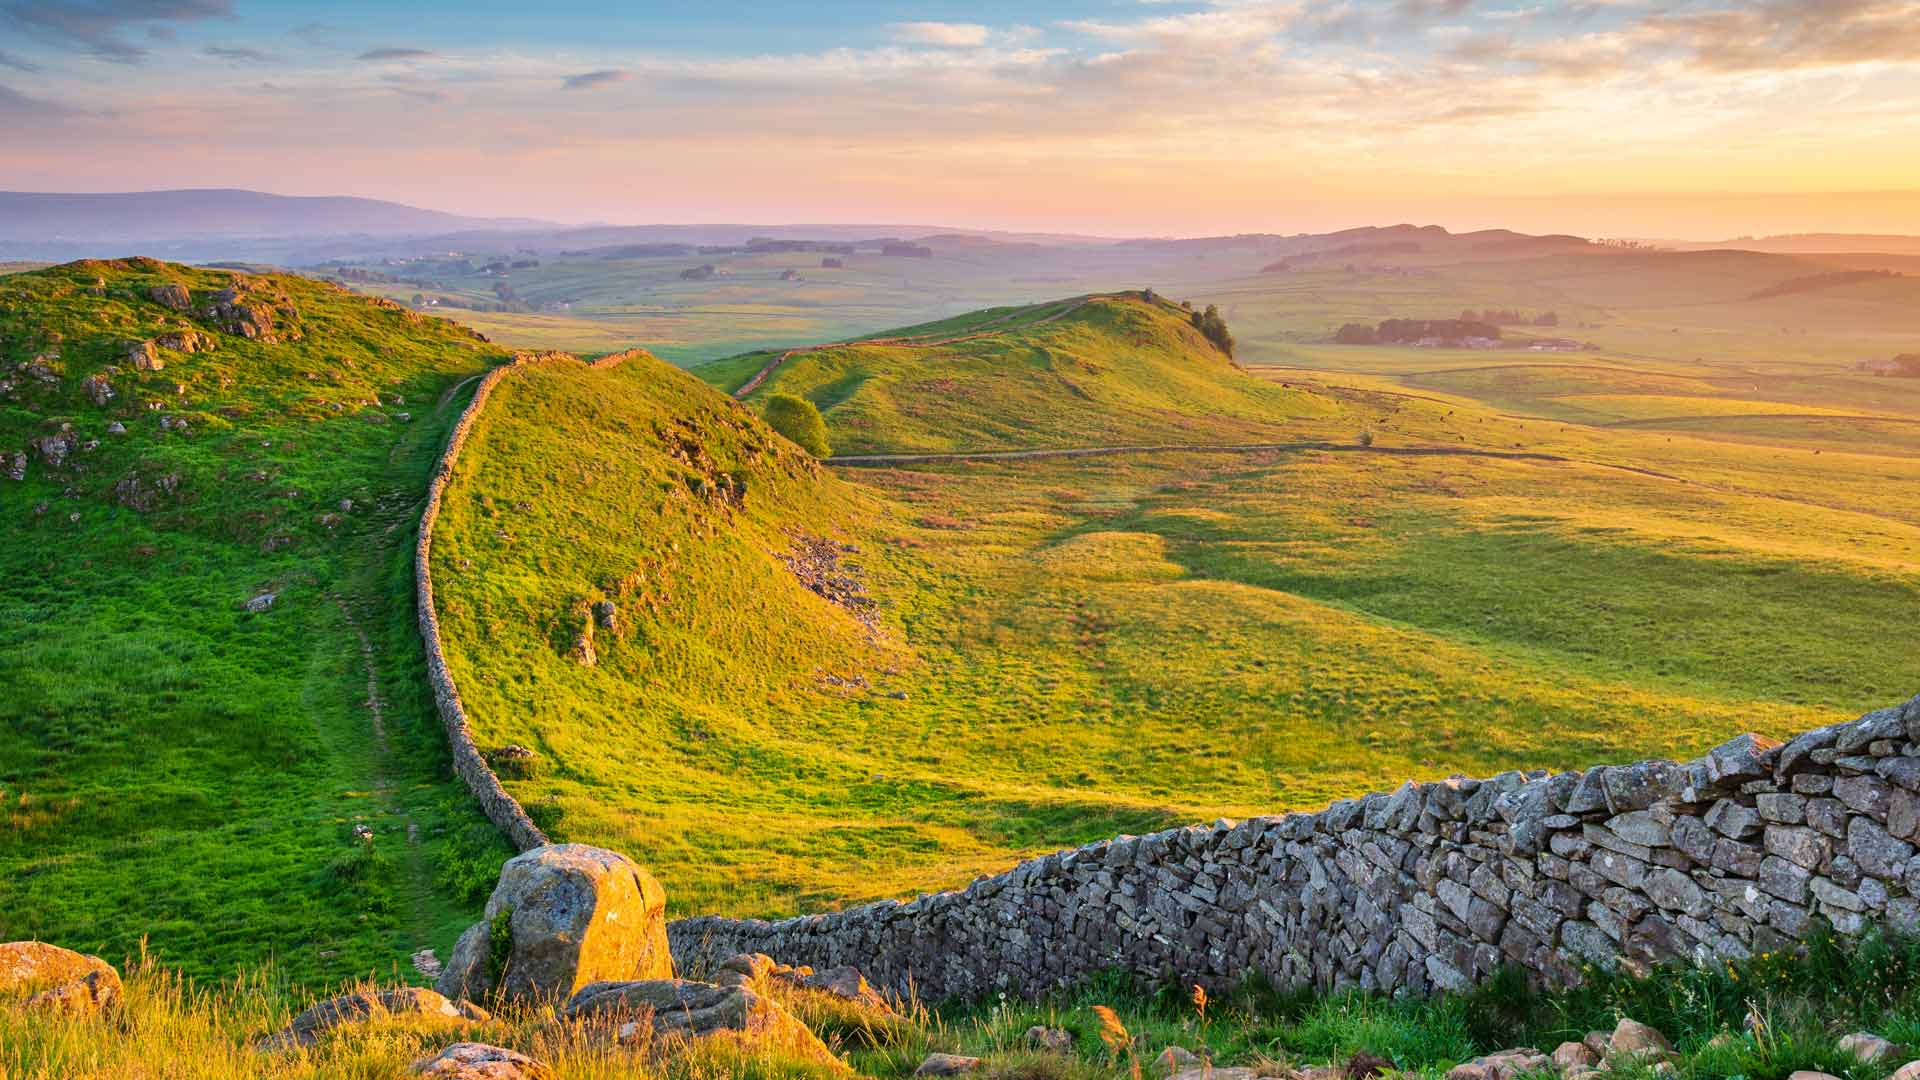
(1213,328)
(1821,281)
(831,263)
(1411,331)
(1909,365)
(760,245)
(1507,317)
(911,251)
(698,273)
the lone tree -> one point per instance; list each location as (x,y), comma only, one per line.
(1214,328)
(799,420)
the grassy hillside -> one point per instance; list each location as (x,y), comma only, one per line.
(1099,371)
(181,760)
(1070,648)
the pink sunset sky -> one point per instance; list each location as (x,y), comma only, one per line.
(1694,118)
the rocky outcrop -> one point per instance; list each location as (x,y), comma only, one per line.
(1430,887)
(171,296)
(144,357)
(250,310)
(365,1005)
(186,341)
(677,1009)
(573,915)
(39,976)
(478,1061)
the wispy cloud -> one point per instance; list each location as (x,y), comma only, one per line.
(594,80)
(98,27)
(944,34)
(17,105)
(395,53)
(17,63)
(238,54)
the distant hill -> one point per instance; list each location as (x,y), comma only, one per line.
(1816,244)
(1088,371)
(218,212)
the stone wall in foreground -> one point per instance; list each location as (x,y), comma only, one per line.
(1430,887)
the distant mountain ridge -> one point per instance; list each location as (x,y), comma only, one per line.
(34,216)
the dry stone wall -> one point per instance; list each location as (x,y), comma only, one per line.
(1430,887)
(469,763)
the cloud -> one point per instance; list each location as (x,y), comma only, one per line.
(594,80)
(944,34)
(18,63)
(15,105)
(96,27)
(378,55)
(238,54)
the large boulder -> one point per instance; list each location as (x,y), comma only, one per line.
(670,1009)
(47,977)
(174,296)
(364,1005)
(571,915)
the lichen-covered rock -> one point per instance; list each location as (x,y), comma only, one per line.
(172,296)
(1634,1039)
(947,1065)
(574,915)
(1867,1047)
(362,1006)
(144,357)
(186,341)
(478,1061)
(46,977)
(1501,1066)
(1050,1040)
(98,388)
(1174,1059)
(682,1009)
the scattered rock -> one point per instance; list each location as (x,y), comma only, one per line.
(262,602)
(144,357)
(1501,1066)
(1635,1039)
(478,1061)
(1363,1065)
(186,341)
(17,468)
(1574,1055)
(55,448)
(253,318)
(53,979)
(683,1009)
(98,387)
(1174,1059)
(1867,1047)
(1909,1071)
(403,418)
(116,428)
(364,1005)
(846,983)
(577,915)
(947,1065)
(363,834)
(427,963)
(1051,1040)
(173,296)
(604,614)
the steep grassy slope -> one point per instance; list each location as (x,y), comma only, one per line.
(180,760)
(1103,371)
(1071,648)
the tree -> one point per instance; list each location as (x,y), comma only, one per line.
(1214,328)
(1909,364)
(1357,334)
(799,420)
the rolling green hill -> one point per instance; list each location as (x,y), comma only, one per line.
(1062,649)
(210,670)
(1101,370)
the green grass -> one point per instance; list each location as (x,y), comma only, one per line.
(175,768)
(1066,649)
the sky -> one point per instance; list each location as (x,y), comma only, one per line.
(1700,119)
